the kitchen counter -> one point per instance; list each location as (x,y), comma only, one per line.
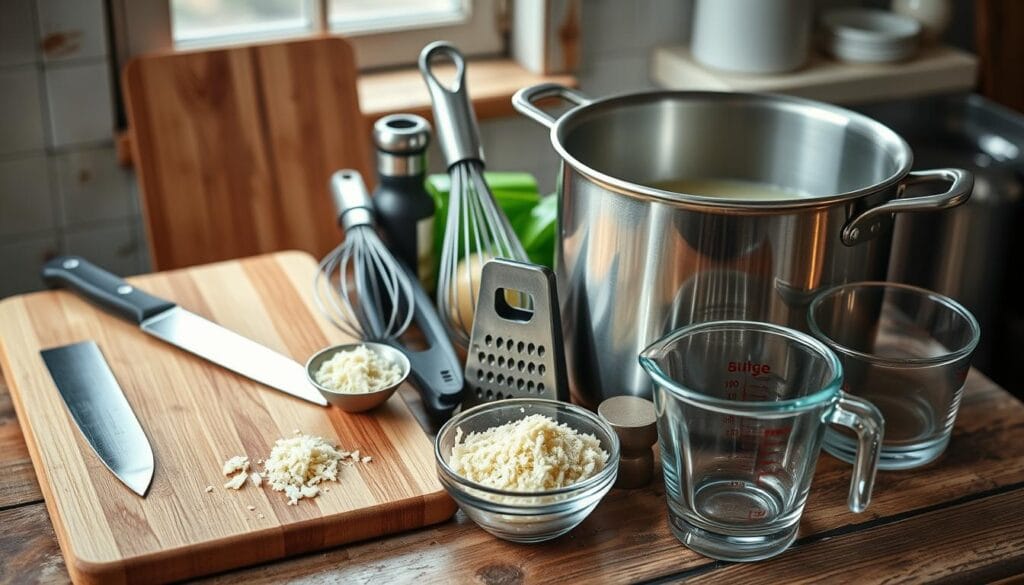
(961,518)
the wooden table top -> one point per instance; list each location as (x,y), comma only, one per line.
(960,519)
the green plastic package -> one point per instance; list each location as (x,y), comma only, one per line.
(532,217)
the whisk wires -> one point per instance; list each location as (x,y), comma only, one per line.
(476,231)
(363,290)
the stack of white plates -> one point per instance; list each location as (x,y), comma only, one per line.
(867,35)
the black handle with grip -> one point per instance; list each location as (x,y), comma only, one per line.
(103,288)
(436,370)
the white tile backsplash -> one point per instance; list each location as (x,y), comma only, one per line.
(20,262)
(77,198)
(81,105)
(26,205)
(93,187)
(615,75)
(17,43)
(114,246)
(21,110)
(72,29)
(665,22)
(519,144)
(611,27)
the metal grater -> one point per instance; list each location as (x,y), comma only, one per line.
(515,353)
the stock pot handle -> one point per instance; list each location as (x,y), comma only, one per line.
(867,224)
(524,100)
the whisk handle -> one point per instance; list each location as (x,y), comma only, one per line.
(351,200)
(457,130)
(436,370)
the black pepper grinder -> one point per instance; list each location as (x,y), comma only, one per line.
(405,211)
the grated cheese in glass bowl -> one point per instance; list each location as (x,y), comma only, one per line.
(527,470)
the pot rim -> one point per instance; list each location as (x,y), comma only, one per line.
(867,126)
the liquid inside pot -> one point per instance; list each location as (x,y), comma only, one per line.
(729,189)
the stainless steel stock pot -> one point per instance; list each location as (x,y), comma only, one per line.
(634,262)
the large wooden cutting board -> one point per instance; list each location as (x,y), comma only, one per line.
(196,415)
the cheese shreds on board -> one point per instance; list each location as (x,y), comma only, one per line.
(532,454)
(236,482)
(236,463)
(297,464)
(358,371)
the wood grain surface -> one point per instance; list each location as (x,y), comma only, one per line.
(491,84)
(197,415)
(958,520)
(234,147)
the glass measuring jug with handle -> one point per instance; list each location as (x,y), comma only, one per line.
(742,411)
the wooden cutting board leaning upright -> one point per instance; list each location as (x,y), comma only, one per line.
(196,416)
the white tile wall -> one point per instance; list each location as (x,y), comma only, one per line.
(114,246)
(20,261)
(25,199)
(615,75)
(520,144)
(57,110)
(612,26)
(21,110)
(17,43)
(93,187)
(72,29)
(81,104)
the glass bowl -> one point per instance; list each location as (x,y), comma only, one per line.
(526,516)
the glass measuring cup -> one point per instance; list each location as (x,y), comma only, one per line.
(742,411)
(905,349)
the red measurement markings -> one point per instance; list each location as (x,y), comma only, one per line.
(771,452)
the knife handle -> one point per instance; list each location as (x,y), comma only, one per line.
(103,288)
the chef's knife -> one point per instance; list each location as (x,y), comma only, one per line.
(99,408)
(175,325)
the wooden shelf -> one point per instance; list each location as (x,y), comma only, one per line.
(491,85)
(934,70)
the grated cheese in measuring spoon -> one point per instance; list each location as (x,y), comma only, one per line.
(532,454)
(358,371)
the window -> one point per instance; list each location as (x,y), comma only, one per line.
(199,21)
(354,16)
(383,32)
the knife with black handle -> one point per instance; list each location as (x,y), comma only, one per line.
(177,326)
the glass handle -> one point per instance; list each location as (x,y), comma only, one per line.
(864,419)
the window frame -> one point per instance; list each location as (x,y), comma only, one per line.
(145,26)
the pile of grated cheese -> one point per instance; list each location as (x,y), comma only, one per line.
(358,371)
(531,454)
(296,466)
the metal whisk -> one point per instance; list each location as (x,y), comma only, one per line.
(360,286)
(476,229)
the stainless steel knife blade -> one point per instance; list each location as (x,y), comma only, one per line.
(179,327)
(101,412)
(232,351)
